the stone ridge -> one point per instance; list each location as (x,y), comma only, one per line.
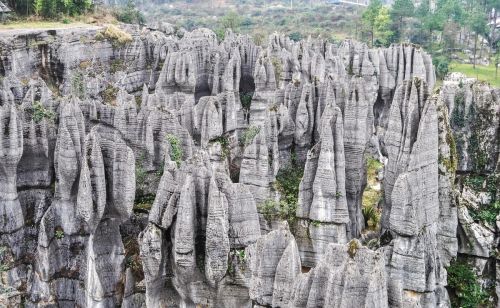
(144,174)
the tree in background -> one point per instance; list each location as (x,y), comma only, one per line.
(382,29)
(231,21)
(52,8)
(401,10)
(370,16)
(478,25)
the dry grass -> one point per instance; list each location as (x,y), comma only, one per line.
(40,24)
(99,16)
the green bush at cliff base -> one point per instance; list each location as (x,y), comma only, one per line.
(465,289)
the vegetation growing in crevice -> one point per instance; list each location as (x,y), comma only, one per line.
(246,100)
(59,233)
(132,257)
(140,173)
(117,65)
(109,95)
(77,85)
(248,135)
(450,163)
(372,194)
(287,185)
(224,144)
(39,112)
(464,286)
(486,213)
(353,247)
(175,149)
(143,203)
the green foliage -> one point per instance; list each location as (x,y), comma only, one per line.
(240,254)
(117,65)
(129,14)
(225,146)
(287,184)
(369,17)
(3,267)
(316,223)
(401,10)
(442,65)
(464,284)
(371,216)
(486,213)
(295,36)
(59,234)
(39,112)
(246,99)
(53,8)
(175,149)
(353,247)
(144,203)
(140,173)
(109,95)
(77,85)
(230,20)
(371,196)
(248,135)
(132,257)
(382,29)
(481,72)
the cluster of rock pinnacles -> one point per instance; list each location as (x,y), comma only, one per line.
(86,124)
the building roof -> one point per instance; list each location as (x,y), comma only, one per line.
(4,8)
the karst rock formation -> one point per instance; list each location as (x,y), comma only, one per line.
(140,173)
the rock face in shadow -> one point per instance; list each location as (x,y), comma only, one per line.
(153,173)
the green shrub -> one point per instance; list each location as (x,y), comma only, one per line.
(140,173)
(132,257)
(316,223)
(59,233)
(287,184)
(77,85)
(295,36)
(353,248)
(246,100)
(129,14)
(478,183)
(117,65)
(144,202)
(371,216)
(175,148)
(39,112)
(224,143)
(109,95)
(442,65)
(248,135)
(464,284)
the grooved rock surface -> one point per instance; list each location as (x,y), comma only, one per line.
(156,173)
